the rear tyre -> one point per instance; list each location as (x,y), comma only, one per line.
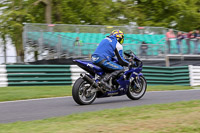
(135,92)
(81,93)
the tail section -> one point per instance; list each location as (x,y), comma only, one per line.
(89,67)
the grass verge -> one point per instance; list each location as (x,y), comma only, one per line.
(27,92)
(31,92)
(178,117)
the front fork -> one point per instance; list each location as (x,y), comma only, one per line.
(135,77)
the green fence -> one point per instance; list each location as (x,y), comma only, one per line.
(37,75)
(49,75)
(167,75)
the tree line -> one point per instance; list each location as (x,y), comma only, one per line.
(181,15)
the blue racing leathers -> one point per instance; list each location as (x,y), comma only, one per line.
(106,50)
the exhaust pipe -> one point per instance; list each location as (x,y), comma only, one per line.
(89,80)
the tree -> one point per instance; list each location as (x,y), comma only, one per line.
(48,9)
(13,16)
(178,14)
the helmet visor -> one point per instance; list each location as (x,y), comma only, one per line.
(121,40)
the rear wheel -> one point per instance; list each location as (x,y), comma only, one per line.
(136,92)
(82,93)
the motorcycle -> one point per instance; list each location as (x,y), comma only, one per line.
(89,87)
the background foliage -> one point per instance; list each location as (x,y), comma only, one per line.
(178,14)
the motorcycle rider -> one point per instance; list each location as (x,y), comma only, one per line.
(108,48)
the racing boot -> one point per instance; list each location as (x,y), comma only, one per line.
(107,78)
(113,75)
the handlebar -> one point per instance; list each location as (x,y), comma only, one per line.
(133,59)
(134,62)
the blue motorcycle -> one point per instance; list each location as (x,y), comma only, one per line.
(89,87)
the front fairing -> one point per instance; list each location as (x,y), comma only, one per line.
(124,80)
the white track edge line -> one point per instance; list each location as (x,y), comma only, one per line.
(37,99)
(176,90)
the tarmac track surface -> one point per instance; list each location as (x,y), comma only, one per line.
(36,109)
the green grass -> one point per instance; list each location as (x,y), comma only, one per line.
(181,117)
(21,93)
(30,92)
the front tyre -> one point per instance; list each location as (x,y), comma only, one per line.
(81,92)
(136,92)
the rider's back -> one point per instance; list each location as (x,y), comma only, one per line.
(106,48)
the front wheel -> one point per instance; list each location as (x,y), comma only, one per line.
(82,92)
(136,92)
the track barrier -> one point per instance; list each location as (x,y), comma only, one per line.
(194,75)
(56,75)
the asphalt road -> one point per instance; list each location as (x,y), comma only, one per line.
(36,109)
